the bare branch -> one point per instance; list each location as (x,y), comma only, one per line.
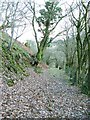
(58,22)
(56,36)
(33,25)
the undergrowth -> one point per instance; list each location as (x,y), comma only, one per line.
(14,62)
(38,70)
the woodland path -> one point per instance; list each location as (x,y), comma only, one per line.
(1,86)
(45,95)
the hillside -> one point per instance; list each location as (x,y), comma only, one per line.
(14,61)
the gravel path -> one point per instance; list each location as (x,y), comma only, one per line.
(1,85)
(43,96)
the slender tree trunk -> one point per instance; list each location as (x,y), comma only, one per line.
(78,57)
(89,61)
(89,48)
(11,40)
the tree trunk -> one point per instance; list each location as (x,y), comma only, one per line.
(39,55)
(88,80)
(79,51)
(89,49)
(89,63)
(43,45)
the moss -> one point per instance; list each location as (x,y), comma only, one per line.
(26,74)
(38,69)
(14,60)
(10,82)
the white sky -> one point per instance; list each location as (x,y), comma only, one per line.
(28,33)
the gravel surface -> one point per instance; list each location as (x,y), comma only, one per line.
(42,96)
(1,85)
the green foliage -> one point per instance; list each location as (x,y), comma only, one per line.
(51,12)
(53,56)
(10,83)
(71,66)
(84,85)
(48,20)
(38,70)
(14,62)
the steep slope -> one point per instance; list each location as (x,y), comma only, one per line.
(14,61)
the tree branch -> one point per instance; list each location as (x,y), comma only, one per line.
(58,22)
(55,36)
(33,25)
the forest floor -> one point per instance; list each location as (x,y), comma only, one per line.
(44,95)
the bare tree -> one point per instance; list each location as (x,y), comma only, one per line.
(12,20)
(81,24)
(5,15)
